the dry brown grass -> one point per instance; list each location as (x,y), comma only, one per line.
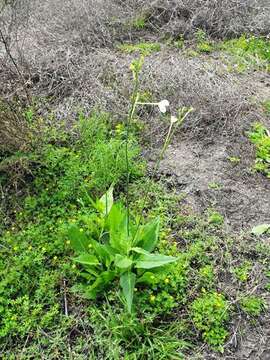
(14,131)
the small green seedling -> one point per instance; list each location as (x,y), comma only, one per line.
(234,160)
(215,186)
(215,218)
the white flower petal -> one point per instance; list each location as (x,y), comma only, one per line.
(173,119)
(162,105)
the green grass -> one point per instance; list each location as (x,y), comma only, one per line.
(144,48)
(266,107)
(140,22)
(259,136)
(247,53)
(41,314)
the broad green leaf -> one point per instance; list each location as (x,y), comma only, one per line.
(260,229)
(105,203)
(78,239)
(127,282)
(123,262)
(87,259)
(139,250)
(151,261)
(117,222)
(147,236)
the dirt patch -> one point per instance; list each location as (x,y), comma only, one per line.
(208,178)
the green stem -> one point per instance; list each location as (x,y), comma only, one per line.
(130,116)
(167,141)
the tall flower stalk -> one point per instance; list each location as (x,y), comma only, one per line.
(175,122)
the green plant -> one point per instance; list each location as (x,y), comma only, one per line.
(260,137)
(215,218)
(215,186)
(252,305)
(203,45)
(206,275)
(209,313)
(242,272)
(266,106)
(116,249)
(248,52)
(234,160)
(144,48)
(139,22)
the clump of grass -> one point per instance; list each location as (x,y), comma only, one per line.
(259,136)
(203,43)
(266,106)
(248,52)
(139,22)
(144,48)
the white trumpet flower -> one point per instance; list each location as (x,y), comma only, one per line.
(163,105)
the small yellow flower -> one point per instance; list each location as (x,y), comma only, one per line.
(13,228)
(73,266)
(135,289)
(43,249)
(166,281)
(68,242)
(15,248)
(30,247)
(203,290)
(152,298)
(55,258)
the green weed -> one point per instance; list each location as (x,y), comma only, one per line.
(242,272)
(203,44)
(266,106)
(248,52)
(215,218)
(146,48)
(209,313)
(252,305)
(140,22)
(259,136)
